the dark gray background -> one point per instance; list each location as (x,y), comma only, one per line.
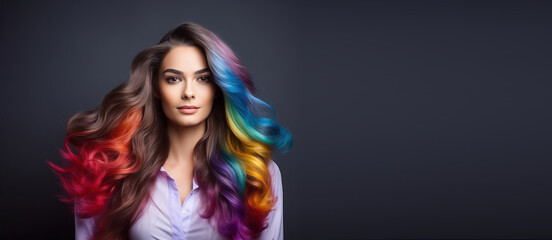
(411,119)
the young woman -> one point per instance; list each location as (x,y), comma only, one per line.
(182,150)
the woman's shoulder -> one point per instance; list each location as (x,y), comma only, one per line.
(275,174)
(273,168)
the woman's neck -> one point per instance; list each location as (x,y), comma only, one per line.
(182,142)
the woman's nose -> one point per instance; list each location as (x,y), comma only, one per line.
(188,92)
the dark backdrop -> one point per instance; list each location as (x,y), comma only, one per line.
(411,119)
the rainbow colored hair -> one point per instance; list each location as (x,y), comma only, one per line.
(251,136)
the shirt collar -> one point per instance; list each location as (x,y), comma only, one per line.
(194,184)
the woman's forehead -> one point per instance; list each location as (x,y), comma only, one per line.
(186,59)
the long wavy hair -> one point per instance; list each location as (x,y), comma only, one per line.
(120,146)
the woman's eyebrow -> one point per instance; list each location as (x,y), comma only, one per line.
(171,70)
(202,71)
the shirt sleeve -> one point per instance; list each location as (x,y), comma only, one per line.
(275,219)
(84,228)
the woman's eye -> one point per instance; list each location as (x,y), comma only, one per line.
(204,78)
(172,79)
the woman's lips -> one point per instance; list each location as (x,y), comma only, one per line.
(188,109)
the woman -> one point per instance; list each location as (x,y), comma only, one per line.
(182,150)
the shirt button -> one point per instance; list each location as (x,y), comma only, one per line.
(184,212)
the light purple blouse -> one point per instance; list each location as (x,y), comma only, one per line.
(165,218)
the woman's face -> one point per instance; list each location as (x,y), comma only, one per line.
(185,86)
